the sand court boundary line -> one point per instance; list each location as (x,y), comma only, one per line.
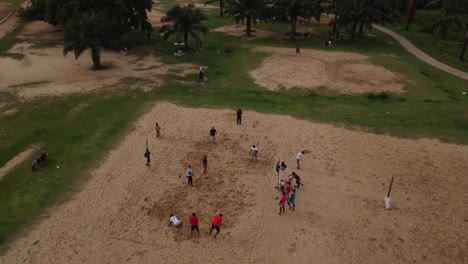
(16,160)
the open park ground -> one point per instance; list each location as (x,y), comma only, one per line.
(367,112)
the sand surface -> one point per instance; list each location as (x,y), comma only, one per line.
(120,214)
(8,19)
(341,71)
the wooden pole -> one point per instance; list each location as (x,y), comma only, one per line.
(390,188)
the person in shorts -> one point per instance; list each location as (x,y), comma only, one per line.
(213,133)
(173,220)
(216,224)
(194,224)
(292,200)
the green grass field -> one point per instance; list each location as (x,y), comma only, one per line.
(78,130)
(445,49)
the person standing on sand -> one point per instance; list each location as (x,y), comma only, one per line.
(287,188)
(239,116)
(297,178)
(190,175)
(158,128)
(147,156)
(216,224)
(205,164)
(282,202)
(254,152)
(298,51)
(213,134)
(194,224)
(299,157)
(292,200)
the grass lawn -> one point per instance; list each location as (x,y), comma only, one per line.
(78,130)
(445,49)
(15,2)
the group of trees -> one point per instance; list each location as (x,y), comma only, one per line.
(97,24)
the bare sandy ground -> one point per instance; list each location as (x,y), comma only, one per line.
(120,214)
(28,153)
(8,23)
(341,71)
(46,71)
(239,30)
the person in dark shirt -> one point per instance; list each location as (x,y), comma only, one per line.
(147,156)
(239,116)
(213,134)
(205,164)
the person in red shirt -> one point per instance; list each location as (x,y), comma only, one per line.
(282,202)
(216,224)
(288,188)
(194,222)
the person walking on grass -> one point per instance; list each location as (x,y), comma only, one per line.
(299,157)
(239,116)
(147,156)
(158,128)
(254,152)
(190,175)
(213,134)
(216,224)
(297,178)
(282,202)
(201,73)
(292,200)
(194,224)
(298,51)
(205,164)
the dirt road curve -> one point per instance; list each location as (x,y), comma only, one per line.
(421,55)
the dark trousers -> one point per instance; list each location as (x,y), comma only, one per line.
(239,120)
(190,181)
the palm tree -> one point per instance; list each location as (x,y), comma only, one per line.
(455,13)
(221,5)
(185,21)
(410,12)
(292,9)
(249,10)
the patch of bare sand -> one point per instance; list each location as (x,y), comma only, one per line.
(121,213)
(8,112)
(341,71)
(239,30)
(41,30)
(9,19)
(64,74)
(28,153)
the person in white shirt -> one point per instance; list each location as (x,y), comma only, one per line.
(173,220)
(299,157)
(254,152)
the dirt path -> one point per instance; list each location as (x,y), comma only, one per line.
(9,17)
(421,55)
(17,160)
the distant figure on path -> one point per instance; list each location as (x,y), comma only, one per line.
(173,220)
(194,224)
(205,164)
(190,175)
(147,156)
(216,224)
(282,202)
(200,73)
(292,200)
(239,116)
(298,51)
(213,134)
(158,128)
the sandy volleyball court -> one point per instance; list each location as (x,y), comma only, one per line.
(120,214)
(341,71)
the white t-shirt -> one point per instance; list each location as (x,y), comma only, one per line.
(174,220)
(299,155)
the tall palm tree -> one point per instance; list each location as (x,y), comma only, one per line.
(221,5)
(249,10)
(292,9)
(455,13)
(410,12)
(185,21)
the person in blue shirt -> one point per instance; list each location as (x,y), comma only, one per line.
(190,175)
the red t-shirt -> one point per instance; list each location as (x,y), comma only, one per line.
(217,220)
(194,220)
(288,188)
